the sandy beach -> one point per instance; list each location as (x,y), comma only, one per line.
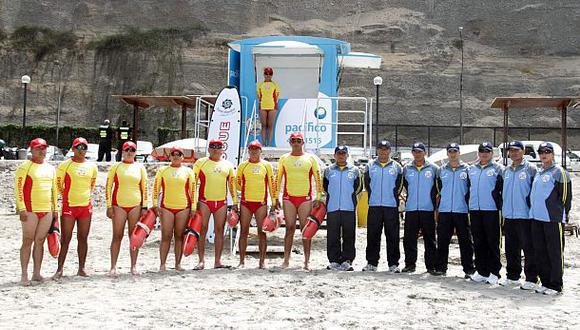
(258,299)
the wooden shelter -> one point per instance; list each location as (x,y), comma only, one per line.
(561,103)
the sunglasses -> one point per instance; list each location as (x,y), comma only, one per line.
(268,74)
(215,146)
(484,151)
(545,151)
(81,147)
(130,150)
(177,154)
(295,140)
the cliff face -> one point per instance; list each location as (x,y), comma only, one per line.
(509,47)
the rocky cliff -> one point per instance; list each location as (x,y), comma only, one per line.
(95,48)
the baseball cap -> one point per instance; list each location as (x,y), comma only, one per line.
(516,145)
(268,70)
(255,145)
(452,147)
(80,140)
(418,146)
(129,144)
(216,144)
(38,142)
(341,149)
(296,135)
(174,149)
(546,146)
(384,144)
(485,147)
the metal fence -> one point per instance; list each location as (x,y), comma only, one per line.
(437,136)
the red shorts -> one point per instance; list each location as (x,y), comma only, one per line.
(41,215)
(214,206)
(252,206)
(77,212)
(127,209)
(297,200)
(174,211)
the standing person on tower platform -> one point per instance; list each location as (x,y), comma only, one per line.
(123,135)
(268,92)
(300,171)
(105,141)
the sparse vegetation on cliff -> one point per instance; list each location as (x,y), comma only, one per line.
(134,39)
(41,41)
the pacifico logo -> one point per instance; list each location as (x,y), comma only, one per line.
(320,113)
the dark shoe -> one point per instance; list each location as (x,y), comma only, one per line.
(439,273)
(409,269)
(467,275)
(431,271)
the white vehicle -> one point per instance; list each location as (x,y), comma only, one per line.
(53,153)
(92,152)
(469,154)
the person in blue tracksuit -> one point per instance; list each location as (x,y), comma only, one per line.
(517,185)
(485,191)
(419,179)
(383,179)
(551,199)
(453,186)
(342,183)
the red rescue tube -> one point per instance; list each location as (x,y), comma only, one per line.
(315,219)
(53,238)
(273,221)
(192,234)
(142,229)
(233,218)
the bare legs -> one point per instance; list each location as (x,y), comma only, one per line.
(290,213)
(34,230)
(120,217)
(245,218)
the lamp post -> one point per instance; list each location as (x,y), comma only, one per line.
(58,64)
(378,81)
(461,88)
(25,81)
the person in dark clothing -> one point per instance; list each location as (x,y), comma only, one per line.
(453,186)
(486,183)
(551,201)
(419,179)
(517,186)
(383,179)
(123,135)
(342,183)
(106,141)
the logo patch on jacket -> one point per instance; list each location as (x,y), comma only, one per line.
(523,176)
(490,172)
(545,178)
(463,175)
(428,174)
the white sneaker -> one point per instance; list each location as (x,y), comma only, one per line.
(394,269)
(508,282)
(492,279)
(475,277)
(333,266)
(346,266)
(528,286)
(541,289)
(551,292)
(369,268)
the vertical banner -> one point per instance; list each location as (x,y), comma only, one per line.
(225,123)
